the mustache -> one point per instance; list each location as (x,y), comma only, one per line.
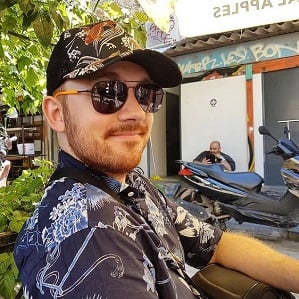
(132,127)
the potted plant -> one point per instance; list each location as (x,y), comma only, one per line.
(17,201)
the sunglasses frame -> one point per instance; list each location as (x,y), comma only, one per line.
(149,107)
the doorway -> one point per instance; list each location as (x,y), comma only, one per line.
(281,98)
(173,138)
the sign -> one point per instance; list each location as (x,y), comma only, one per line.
(286,45)
(203,17)
(158,39)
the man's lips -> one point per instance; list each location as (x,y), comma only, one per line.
(127,133)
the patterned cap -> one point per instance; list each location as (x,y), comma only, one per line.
(88,49)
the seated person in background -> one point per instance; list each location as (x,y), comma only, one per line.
(214,155)
(5,145)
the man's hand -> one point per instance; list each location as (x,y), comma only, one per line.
(206,161)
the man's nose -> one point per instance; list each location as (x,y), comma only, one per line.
(131,108)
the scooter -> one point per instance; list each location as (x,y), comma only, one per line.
(240,195)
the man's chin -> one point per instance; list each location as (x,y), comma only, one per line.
(121,160)
(119,167)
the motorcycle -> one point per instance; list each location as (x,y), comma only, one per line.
(240,195)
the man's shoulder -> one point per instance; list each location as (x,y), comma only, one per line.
(227,157)
(204,152)
(201,155)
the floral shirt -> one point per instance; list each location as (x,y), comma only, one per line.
(83,243)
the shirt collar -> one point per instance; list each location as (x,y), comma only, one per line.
(67,160)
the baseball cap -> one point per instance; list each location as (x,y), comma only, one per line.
(84,50)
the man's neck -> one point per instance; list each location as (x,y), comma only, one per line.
(119,177)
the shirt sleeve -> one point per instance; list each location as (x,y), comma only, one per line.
(199,239)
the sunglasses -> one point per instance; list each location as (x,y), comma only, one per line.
(109,96)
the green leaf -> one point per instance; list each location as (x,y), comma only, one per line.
(31,76)
(7,284)
(28,19)
(1,51)
(56,16)
(3,222)
(141,37)
(9,22)
(4,262)
(27,6)
(18,218)
(8,276)
(23,62)
(43,28)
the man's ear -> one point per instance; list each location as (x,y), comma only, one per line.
(53,111)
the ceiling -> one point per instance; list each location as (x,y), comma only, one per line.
(203,43)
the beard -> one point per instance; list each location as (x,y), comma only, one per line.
(100,154)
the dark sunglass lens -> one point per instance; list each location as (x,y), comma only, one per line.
(109,96)
(149,96)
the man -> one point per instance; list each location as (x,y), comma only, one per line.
(214,155)
(126,240)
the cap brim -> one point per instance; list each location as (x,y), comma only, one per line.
(161,69)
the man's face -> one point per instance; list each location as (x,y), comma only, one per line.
(111,143)
(215,148)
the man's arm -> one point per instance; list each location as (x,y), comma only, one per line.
(226,164)
(229,161)
(200,157)
(257,260)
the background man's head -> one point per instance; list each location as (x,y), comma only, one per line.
(215,147)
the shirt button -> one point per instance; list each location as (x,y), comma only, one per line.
(131,193)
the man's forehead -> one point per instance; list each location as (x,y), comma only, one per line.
(214,145)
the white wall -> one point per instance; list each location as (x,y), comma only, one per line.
(258,121)
(157,145)
(153,160)
(226,122)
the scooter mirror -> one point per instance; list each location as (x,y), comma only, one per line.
(264,131)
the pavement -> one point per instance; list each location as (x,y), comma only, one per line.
(265,232)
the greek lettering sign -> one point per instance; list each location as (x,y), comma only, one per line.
(202,17)
(156,38)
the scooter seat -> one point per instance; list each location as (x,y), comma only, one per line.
(246,179)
